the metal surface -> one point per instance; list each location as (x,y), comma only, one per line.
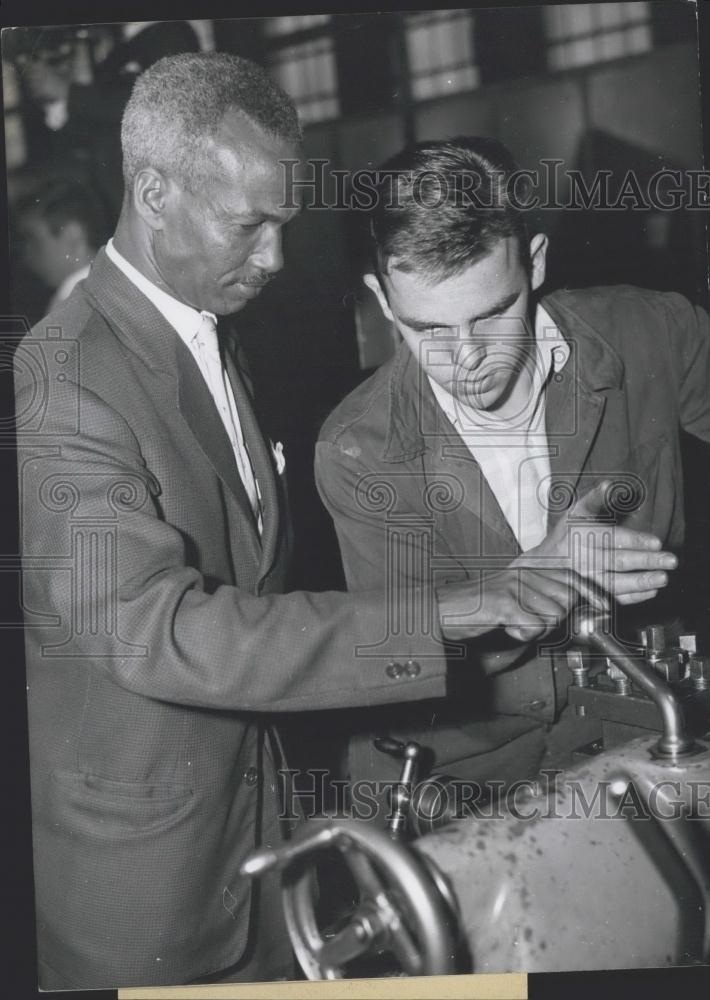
(586,883)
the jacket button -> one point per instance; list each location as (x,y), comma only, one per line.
(250,776)
(394,670)
(537,705)
(412,668)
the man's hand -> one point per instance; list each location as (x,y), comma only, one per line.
(627,564)
(527,603)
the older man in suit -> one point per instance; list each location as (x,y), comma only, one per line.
(155,542)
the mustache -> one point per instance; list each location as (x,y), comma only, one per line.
(258,280)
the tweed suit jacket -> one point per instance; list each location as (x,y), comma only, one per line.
(638,371)
(158,645)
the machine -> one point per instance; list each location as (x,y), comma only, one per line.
(603,865)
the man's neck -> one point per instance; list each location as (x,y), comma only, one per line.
(135,248)
(519,395)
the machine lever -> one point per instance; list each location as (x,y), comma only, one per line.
(401,797)
(588,625)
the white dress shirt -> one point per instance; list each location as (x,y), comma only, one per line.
(513,453)
(198,330)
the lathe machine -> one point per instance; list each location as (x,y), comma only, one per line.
(606,866)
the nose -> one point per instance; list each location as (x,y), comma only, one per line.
(268,256)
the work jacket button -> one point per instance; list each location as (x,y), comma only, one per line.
(412,668)
(394,670)
(250,776)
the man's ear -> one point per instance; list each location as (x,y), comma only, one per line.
(538,259)
(150,195)
(373,283)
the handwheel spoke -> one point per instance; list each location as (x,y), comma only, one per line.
(402,944)
(398,939)
(349,943)
(368,881)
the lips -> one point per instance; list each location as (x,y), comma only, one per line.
(249,290)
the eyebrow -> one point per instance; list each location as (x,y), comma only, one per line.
(499,307)
(258,216)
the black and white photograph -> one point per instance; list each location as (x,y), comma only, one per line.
(355,590)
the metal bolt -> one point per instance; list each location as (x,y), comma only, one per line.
(580,671)
(700,672)
(653,637)
(621,681)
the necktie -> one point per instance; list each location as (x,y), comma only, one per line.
(206,351)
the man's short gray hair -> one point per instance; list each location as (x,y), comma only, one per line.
(179,102)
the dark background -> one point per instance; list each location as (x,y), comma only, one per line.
(301,336)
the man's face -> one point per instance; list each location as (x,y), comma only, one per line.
(471,333)
(218,247)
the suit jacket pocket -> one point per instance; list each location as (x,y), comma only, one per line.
(105,808)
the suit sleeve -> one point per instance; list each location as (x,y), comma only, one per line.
(689,351)
(146,616)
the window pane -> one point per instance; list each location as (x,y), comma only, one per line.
(287,25)
(580,34)
(307,72)
(440,52)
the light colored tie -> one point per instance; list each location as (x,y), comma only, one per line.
(206,351)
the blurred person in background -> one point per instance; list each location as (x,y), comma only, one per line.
(61,225)
(73,107)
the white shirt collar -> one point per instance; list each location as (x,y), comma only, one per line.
(184,319)
(553,354)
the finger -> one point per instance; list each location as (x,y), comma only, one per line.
(638,598)
(548,595)
(527,633)
(592,593)
(622,584)
(627,560)
(533,609)
(628,538)
(568,587)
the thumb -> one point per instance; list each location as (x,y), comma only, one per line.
(593,502)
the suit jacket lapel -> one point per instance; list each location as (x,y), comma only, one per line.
(262,464)
(142,328)
(575,405)
(572,417)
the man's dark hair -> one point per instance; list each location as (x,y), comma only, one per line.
(441,206)
(177,105)
(60,200)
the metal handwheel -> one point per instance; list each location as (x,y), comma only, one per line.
(404,906)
